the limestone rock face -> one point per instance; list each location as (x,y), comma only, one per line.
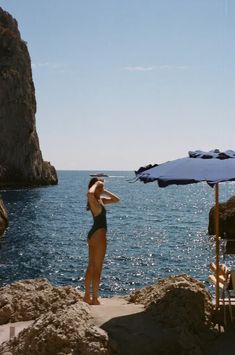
(28,299)
(63,322)
(182,306)
(175,319)
(3,217)
(226,219)
(21,162)
(67,331)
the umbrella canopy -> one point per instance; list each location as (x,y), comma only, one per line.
(213,167)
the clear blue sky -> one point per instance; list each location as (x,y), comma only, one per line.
(125,83)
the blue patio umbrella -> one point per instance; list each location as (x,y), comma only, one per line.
(213,167)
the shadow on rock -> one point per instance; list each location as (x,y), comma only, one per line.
(181,310)
(139,334)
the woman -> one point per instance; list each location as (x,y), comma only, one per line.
(97,197)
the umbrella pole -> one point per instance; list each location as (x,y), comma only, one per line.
(217,244)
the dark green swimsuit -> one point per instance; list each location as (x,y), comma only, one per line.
(99,222)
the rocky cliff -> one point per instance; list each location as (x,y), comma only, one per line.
(226,219)
(21,162)
(3,217)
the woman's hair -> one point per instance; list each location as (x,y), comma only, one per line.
(91,183)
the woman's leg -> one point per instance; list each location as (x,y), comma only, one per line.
(89,273)
(98,247)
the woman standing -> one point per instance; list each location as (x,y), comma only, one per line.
(97,197)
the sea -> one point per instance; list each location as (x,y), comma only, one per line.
(153,232)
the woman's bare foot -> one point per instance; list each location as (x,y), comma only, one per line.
(95,302)
(87,299)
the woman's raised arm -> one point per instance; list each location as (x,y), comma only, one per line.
(109,197)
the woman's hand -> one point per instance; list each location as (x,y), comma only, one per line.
(99,183)
(99,187)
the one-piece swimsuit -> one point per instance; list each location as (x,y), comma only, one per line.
(99,222)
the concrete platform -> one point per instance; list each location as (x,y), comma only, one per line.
(10,330)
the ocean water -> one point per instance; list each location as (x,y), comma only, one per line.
(152,233)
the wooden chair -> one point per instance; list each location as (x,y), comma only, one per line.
(225,287)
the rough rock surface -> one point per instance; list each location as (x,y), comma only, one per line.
(226,218)
(176,319)
(66,331)
(63,322)
(21,162)
(3,217)
(182,306)
(28,299)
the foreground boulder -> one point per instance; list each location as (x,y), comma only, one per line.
(63,322)
(182,307)
(3,217)
(175,319)
(21,162)
(226,219)
(66,331)
(28,299)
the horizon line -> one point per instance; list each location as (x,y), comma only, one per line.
(97,170)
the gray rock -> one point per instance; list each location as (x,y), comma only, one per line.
(69,330)
(177,319)
(63,322)
(226,219)
(28,299)
(21,162)
(182,307)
